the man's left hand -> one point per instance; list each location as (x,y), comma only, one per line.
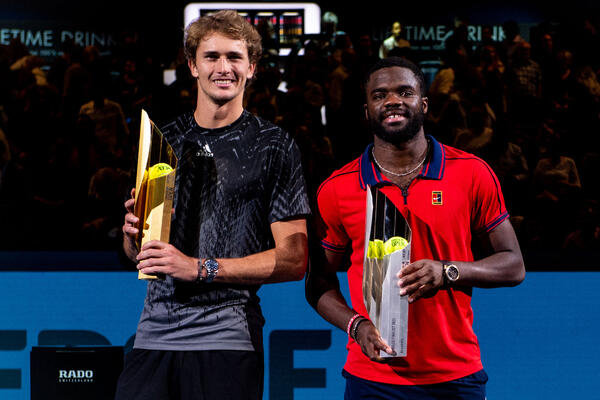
(420,278)
(158,257)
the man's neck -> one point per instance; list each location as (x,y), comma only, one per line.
(400,157)
(211,115)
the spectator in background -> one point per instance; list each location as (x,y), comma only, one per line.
(587,103)
(587,235)
(511,40)
(451,94)
(586,41)
(561,80)
(544,53)
(486,40)
(510,165)
(343,61)
(76,87)
(479,132)
(102,225)
(330,33)
(30,65)
(556,175)
(394,41)
(352,109)
(524,83)
(130,88)
(269,38)
(492,71)
(261,97)
(458,40)
(111,133)
(178,97)
(365,53)
(58,67)
(557,191)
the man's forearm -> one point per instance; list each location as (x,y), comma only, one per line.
(504,268)
(286,262)
(281,264)
(323,288)
(333,307)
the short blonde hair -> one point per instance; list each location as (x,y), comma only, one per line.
(228,23)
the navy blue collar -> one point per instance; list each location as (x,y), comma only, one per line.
(432,169)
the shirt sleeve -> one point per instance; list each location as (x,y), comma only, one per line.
(489,209)
(328,224)
(288,195)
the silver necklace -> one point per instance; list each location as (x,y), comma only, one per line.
(405,173)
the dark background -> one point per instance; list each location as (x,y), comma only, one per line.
(158,28)
(160,25)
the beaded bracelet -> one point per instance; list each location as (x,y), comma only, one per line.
(351,322)
(355,328)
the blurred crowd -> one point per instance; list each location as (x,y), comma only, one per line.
(69,129)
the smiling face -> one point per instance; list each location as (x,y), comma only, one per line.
(396,29)
(395,108)
(221,68)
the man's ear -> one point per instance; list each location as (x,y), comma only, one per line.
(425,103)
(193,69)
(366,112)
(251,70)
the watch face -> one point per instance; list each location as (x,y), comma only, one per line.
(452,273)
(211,264)
(212,268)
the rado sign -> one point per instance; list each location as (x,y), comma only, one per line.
(73,375)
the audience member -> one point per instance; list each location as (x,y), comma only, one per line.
(394,41)
(524,82)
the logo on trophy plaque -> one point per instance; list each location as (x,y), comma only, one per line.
(154,186)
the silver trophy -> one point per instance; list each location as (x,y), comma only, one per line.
(387,251)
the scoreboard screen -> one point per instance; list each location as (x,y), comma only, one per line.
(289,21)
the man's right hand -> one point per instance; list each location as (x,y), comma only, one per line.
(130,229)
(371,342)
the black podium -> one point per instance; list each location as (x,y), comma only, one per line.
(65,373)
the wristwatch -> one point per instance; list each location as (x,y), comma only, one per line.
(451,273)
(211,266)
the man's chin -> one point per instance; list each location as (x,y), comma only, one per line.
(398,133)
(395,136)
(222,98)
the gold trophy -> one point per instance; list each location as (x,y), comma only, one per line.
(387,250)
(154,186)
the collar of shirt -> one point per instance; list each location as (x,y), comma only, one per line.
(432,169)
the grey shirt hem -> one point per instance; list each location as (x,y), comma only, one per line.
(182,346)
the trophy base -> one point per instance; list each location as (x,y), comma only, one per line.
(146,277)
